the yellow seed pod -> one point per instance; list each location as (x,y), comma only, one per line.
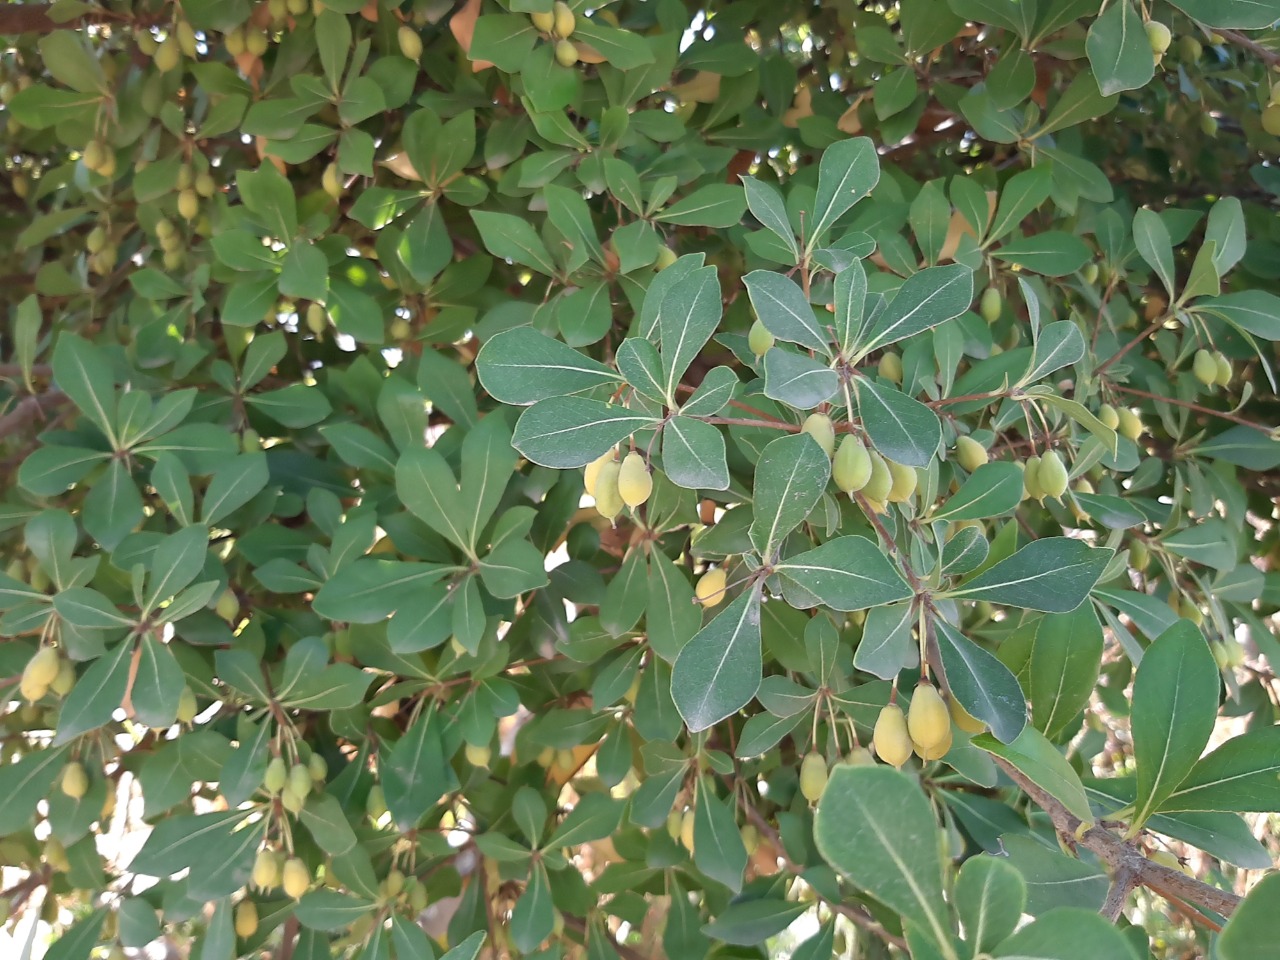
(331,181)
(1271,119)
(565,761)
(65,680)
(635,483)
(43,667)
(890,738)
(296,878)
(1053,475)
(1205,367)
(205,185)
(991,305)
(851,465)
(410,42)
(32,691)
(233,40)
(813,776)
(970,454)
(478,755)
(277,775)
(188,204)
(674,819)
(963,719)
(859,757)
(709,590)
(228,606)
(686,830)
(759,339)
(880,482)
(566,53)
(186,35)
(256,42)
(393,885)
(317,319)
(563,20)
(246,919)
(266,870)
(608,496)
(1223,373)
(820,427)
(666,257)
(928,719)
(75,782)
(592,471)
(1109,416)
(168,55)
(1031,479)
(1189,609)
(1130,424)
(890,367)
(1158,36)
(545,22)
(935,752)
(905,479)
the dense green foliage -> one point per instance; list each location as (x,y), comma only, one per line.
(915,362)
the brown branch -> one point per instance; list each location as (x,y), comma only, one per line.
(1123,856)
(1122,885)
(626,953)
(289,938)
(1267,56)
(18,18)
(1155,325)
(1209,411)
(29,409)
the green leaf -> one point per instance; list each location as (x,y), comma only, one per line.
(177,561)
(1053,575)
(369,590)
(620,48)
(414,773)
(1151,237)
(78,939)
(1253,930)
(782,308)
(1051,253)
(790,477)
(900,427)
(1066,655)
(848,172)
(876,827)
(96,695)
(205,840)
(1059,345)
(330,910)
(534,916)
(1242,775)
(49,471)
(1230,15)
(83,373)
(512,238)
(885,646)
(26,781)
(1175,702)
(1022,194)
(798,380)
(715,205)
(296,405)
(766,205)
(1068,933)
(515,567)
(717,843)
(846,574)
(1118,49)
(595,817)
(1254,311)
(566,432)
(989,898)
(748,922)
(522,366)
(993,490)
(233,486)
(688,316)
(157,684)
(693,455)
(69,61)
(718,671)
(1054,879)
(926,299)
(468,949)
(1081,101)
(981,684)
(1042,764)
(427,487)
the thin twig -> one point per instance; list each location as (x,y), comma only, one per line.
(1209,411)
(29,409)
(1155,325)
(1266,55)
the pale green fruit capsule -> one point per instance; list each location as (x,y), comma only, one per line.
(1130,424)
(592,471)
(990,305)
(905,480)
(410,42)
(881,480)
(1031,479)
(1158,36)
(300,780)
(928,719)
(813,776)
(970,454)
(1109,417)
(1053,475)
(891,740)
(277,775)
(1205,367)
(759,339)
(1223,373)
(851,465)
(890,367)
(608,497)
(635,483)
(820,427)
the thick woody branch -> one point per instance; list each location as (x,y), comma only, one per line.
(18,18)
(1129,866)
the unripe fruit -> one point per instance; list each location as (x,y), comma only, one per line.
(400,329)
(674,819)
(820,427)
(686,830)
(1158,35)
(317,767)
(759,339)
(188,204)
(1109,417)
(1191,611)
(1235,652)
(299,780)
(1166,859)
(168,55)
(963,719)
(566,53)
(666,257)
(331,182)
(970,454)
(75,782)
(928,720)
(418,898)
(635,483)
(905,479)
(478,755)
(1220,657)
(1190,48)
(375,803)
(1222,372)
(266,870)
(608,497)
(891,367)
(891,740)
(296,878)
(1139,555)
(317,319)
(591,473)
(1031,479)
(55,855)
(709,589)
(1205,367)
(393,885)
(851,465)
(545,22)
(1089,273)
(205,185)
(410,42)
(65,680)
(813,776)
(277,775)
(1208,125)
(186,35)
(246,919)
(233,40)
(1053,475)
(881,480)
(256,43)
(859,757)
(32,691)
(990,305)
(1271,119)
(95,154)
(563,19)
(96,240)
(937,751)
(1130,424)
(291,800)
(43,667)
(750,838)
(565,761)
(227,607)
